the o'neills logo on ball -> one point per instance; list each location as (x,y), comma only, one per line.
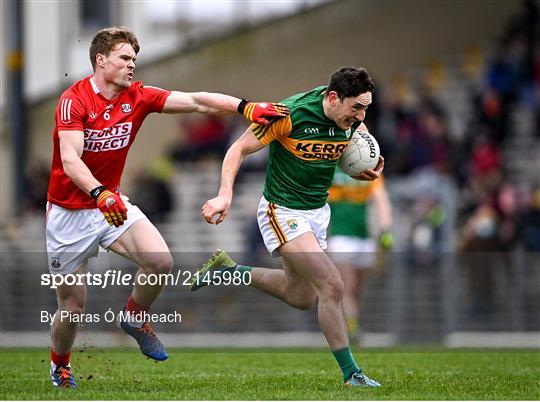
(108,139)
(368,139)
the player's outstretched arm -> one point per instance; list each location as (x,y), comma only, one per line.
(220,205)
(214,103)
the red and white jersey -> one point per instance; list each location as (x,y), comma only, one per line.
(109,128)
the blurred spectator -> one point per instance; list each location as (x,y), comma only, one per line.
(425,247)
(151,190)
(501,73)
(201,138)
(485,166)
(507,210)
(529,228)
(429,146)
(479,239)
(488,235)
(491,114)
(37,175)
(523,30)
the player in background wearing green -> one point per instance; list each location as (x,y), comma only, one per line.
(350,244)
(293,215)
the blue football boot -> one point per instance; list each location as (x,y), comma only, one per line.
(62,377)
(147,339)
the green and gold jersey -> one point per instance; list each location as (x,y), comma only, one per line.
(304,149)
(348,203)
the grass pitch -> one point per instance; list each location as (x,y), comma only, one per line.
(299,374)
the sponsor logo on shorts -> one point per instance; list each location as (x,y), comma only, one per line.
(292,224)
(108,139)
(55,263)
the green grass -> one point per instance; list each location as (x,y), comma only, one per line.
(300,374)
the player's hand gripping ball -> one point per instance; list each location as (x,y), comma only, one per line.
(112,207)
(361,154)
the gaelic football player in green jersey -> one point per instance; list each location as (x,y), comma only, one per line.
(293,215)
(349,243)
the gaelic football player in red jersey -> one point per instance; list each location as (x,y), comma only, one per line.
(97,120)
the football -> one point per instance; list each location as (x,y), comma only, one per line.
(361,154)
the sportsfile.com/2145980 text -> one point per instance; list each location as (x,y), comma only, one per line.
(113,277)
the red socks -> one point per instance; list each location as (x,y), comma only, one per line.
(60,360)
(133,307)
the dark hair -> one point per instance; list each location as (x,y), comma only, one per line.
(349,82)
(106,39)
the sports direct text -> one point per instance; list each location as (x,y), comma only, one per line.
(114,277)
(111,138)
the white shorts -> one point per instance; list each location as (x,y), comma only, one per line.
(279,225)
(74,235)
(361,253)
